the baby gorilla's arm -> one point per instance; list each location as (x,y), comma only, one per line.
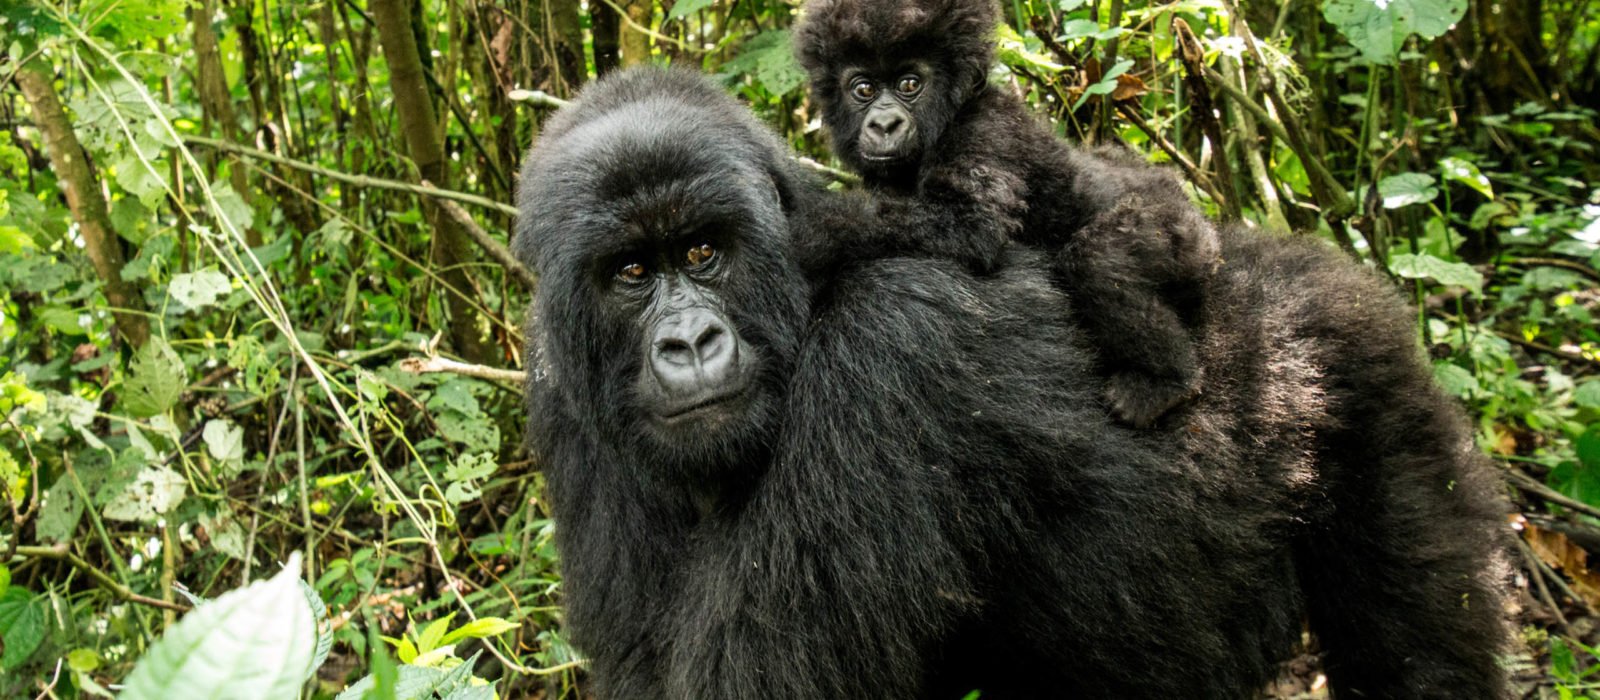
(1132,270)
(966,214)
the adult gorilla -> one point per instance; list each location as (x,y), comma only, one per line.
(911,490)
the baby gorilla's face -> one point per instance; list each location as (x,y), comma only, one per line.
(884,117)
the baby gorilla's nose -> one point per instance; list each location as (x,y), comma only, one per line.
(693,352)
(885,124)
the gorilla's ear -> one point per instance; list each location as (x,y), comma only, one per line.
(782,171)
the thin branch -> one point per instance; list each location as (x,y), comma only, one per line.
(494,248)
(358,180)
(1197,176)
(1533,486)
(61,553)
(426,365)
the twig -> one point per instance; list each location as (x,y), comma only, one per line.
(358,180)
(1330,195)
(1572,265)
(835,173)
(1197,176)
(1537,573)
(61,553)
(1532,485)
(1192,55)
(494,248)
(537,98)
(1546,349)
(425,365)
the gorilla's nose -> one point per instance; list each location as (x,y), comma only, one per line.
(693,352)
(885,124)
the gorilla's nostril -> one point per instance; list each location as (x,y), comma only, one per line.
(675,350)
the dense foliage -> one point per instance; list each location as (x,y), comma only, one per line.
(257,307)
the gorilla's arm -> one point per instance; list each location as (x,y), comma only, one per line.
(966,205)
(842,574)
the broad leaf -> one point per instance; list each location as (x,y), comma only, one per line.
(1458,170)
(253,642)
(1424,266)
(195,290)
(1406,189)
(157,381)
(1378,28)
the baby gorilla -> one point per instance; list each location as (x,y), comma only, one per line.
(958,171)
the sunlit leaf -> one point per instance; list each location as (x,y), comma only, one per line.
(255,642)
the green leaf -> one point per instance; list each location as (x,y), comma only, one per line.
(5,578)
(428,640)
(157,381)
(770,57)
(62,510)
(22,626)
(254,642)
(1455,379)
(1424,266)
(684,8)
(224,440)
(1013,50)
(154,492)
(1407,188)
(196,290)
(481,628)
(1378,28)
(1458,170)
(1588,394)
(233,206)
(1588,447)
(135,20)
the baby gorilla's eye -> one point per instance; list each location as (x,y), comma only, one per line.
(910,85)
(863,89)
(701,254)
(632,272)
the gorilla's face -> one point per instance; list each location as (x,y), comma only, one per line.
(884,116)
(666,309)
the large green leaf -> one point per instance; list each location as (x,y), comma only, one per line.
(1422,265)
(22,625)
(1406,189)
(770,57)
(1378,28)
(253,642)
(157,381)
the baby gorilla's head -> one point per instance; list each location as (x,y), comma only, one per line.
(890,75)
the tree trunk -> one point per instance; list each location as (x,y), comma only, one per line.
(635,44)
(421,129)
(216,101)
(557,61)
(605,25)
(88,206)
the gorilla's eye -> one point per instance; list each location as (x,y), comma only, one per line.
(863,89)
(701,254)
(632,271)
(909,85)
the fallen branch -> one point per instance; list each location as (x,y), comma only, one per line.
(1535,487)
(61,553)
(427,365)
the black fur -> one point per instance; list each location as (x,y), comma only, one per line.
(937,502)
(984,171)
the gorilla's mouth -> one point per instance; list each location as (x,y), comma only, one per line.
(701,406)
(890,156)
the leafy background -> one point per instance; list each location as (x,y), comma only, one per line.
(259,337)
